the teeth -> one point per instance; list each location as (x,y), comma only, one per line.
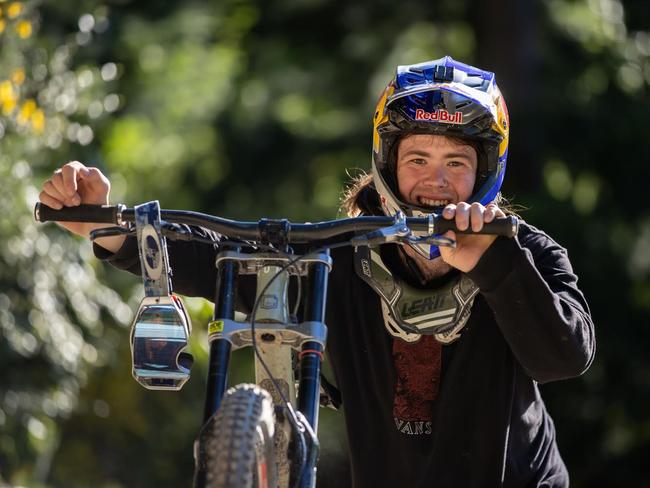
(434,203)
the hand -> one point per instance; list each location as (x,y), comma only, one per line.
(74,184)
(469,248)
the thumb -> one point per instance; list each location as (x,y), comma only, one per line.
(84,172)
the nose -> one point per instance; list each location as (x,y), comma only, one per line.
(435,177)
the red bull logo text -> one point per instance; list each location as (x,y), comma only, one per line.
(439,116)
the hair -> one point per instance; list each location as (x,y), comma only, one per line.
(360,197)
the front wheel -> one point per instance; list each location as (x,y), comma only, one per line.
(239,440)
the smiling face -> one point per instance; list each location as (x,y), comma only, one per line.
(434,170)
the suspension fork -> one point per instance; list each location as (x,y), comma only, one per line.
(311,353)
(311,357)
(219,354)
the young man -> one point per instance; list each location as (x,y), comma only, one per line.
(437,351)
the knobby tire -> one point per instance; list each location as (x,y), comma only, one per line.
(240,445)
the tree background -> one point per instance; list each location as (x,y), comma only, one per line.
(246,109)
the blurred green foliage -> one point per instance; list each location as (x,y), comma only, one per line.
(57,321)
(249,109)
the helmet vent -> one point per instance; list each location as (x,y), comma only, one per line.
(474,81)
(443,74)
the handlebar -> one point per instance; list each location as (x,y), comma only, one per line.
(265,230)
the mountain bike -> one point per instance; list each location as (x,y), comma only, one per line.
(262,434)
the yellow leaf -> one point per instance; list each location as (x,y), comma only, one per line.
(7,91)
(26,111)
(24,29)
(18,76)
(2,26)
(8,106)
(38,120)
(14,10)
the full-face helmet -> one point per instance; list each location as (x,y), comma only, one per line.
(448,98)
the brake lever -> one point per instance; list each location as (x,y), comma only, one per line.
(175,232)
(394,233)
(111,231)
(434,240)
(399,233)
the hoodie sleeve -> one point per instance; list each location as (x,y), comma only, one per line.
(530,286)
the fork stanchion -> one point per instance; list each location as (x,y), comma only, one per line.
(311,356)
(219,359)
(312,352)
(220,348)
(309,401)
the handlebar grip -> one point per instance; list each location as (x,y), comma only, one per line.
(502,226)
(100,214)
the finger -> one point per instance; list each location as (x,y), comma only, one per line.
(449,211)
(476,216)
(94,187)
(71,173)
(462,216)
(49,201)
(93,175)
(490,212)
(49,189)
(57,182)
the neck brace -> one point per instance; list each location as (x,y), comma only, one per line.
(411,312)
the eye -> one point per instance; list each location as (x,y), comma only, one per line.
(456,163)
(418,161)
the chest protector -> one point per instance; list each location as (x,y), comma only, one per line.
(410,312)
